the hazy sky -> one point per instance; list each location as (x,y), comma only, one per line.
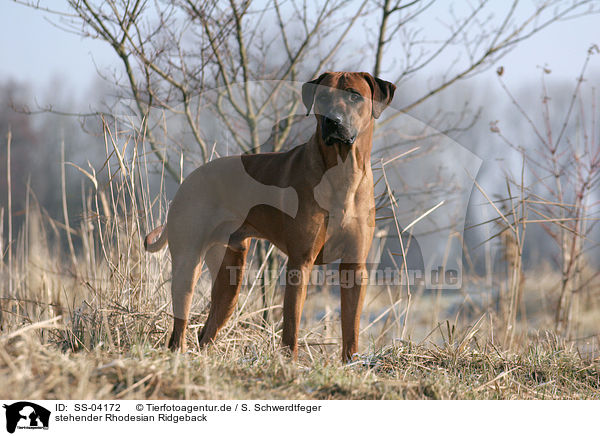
(33,50)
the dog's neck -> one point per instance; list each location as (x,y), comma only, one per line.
(346,171)
(359,152)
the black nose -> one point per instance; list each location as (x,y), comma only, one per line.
(334,119)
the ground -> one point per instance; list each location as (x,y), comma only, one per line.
(240,368)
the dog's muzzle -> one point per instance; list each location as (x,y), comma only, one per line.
(333,130)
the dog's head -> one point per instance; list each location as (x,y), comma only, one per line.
(346,103)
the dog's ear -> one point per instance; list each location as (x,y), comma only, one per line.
(382,91)
(308,92)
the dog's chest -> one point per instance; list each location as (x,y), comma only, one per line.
(343,190)
(347,198)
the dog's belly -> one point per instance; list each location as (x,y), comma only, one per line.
(266,222)
(216,199)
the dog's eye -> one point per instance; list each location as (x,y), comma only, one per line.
(355,98)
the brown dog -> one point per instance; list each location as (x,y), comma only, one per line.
(314,202)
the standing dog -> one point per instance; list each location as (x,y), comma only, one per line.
(314,202)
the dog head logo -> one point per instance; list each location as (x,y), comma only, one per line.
(26,415)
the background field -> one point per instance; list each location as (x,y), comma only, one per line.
(93,323)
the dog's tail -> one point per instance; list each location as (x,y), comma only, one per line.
(156,239)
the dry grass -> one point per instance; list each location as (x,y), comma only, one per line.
(547,369)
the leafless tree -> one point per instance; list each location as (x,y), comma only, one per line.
(173,51)
(563,162)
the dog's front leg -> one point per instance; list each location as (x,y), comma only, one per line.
(297,277)
(353,285)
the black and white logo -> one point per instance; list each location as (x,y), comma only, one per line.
(26,415)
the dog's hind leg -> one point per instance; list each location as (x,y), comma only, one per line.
(186,271)
(226,272)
